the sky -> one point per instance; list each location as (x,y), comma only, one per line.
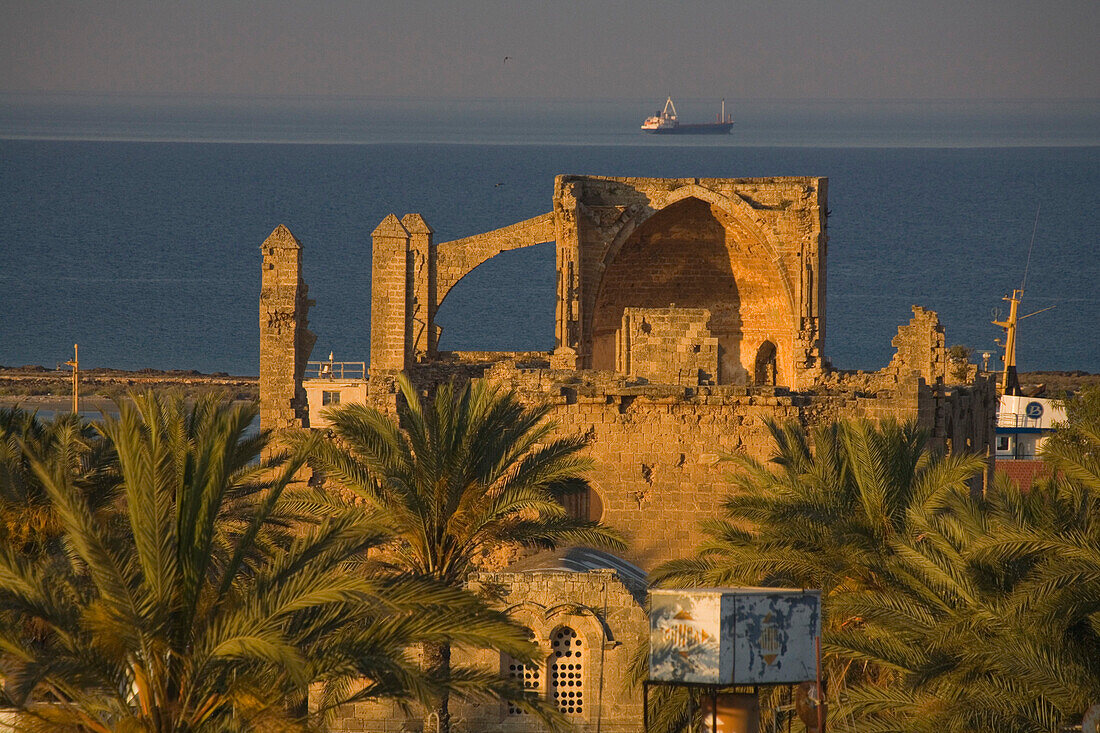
(636,49)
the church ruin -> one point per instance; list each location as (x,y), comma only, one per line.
(689,311)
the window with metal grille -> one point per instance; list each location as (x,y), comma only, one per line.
(567,670)
(527,675)
(330,397)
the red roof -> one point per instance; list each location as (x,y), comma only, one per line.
(1022,472)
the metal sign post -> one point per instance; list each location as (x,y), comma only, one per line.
(75,364)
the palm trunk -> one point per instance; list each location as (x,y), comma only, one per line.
(437,660)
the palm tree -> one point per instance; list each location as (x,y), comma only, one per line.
(991,620)
(210,600)
(27,521)
(457,478)
(822,513)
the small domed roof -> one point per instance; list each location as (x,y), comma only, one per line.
(581,560)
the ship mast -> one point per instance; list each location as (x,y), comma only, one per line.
(1009,325)
(75,364)
(1010,382)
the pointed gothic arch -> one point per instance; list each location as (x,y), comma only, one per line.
(699,250)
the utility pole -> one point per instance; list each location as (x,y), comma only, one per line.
(75,364)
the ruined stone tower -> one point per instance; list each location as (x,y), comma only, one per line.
(391,323)
(285,340)
(423,263)
(690,311)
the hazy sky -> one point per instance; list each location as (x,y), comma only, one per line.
(770,49)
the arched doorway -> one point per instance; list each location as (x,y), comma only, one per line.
(765,370)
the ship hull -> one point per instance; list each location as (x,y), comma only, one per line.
(712,128)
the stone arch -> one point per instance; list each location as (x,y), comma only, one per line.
(493,287)
(458,258)
(736,208)
(765,367)
(448,285)
(686,253)
(529,613)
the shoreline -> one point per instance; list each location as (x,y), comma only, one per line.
(38,388)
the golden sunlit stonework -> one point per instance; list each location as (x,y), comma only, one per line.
(689,312)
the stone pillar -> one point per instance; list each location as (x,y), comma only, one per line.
(568,317)
(822,261)
(391,297)
(423,255)
(285,340)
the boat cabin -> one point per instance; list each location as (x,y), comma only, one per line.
(1023,424)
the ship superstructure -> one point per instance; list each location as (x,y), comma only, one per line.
(1023,422)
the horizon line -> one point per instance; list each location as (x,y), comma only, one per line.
(550,100)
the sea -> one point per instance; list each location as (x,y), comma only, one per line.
(133,225)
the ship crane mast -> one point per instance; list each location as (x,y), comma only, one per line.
(1010,382)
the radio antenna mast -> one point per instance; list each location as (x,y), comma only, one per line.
(1034,228)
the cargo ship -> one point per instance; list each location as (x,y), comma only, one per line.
(665,122)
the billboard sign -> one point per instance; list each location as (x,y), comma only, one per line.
(745,636)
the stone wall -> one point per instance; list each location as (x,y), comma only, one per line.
(667,345)
(658,449)
(921,348)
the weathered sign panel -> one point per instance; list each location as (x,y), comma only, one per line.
(727,636)
(685,635)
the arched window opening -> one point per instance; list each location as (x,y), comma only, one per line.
(581,501)
(567,670)
(529,676)
(765,372)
